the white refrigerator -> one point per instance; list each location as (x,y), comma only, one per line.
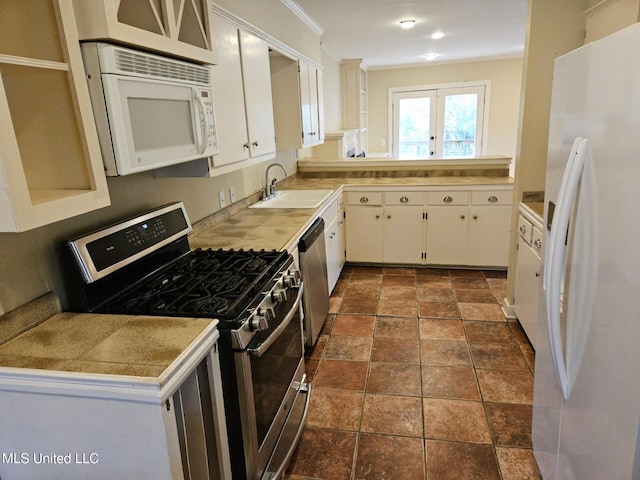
(586,410)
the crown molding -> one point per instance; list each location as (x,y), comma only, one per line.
(304,16)
(271,40)
(599,6)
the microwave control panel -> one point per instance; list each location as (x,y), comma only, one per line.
(208,121)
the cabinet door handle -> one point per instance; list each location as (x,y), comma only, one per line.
(537,243)
(475,217)
(377,216)
(404,199)
(255,144)
(523,229)
(246,146)
(388,216)
(364,199)
(462,217)
(447,199)
(493,199)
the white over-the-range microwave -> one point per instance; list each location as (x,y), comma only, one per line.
(150,111)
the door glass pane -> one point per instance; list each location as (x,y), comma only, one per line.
(414,127)
(460,120)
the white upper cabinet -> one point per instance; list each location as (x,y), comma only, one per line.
(243,104)
(256,78)
(50,162)
(297,102)
(233,141)
(178,28)
(311,104)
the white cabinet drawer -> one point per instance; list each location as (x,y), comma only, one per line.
(364,198)
(496,197)
(448,198)
(404,198)
(525,229)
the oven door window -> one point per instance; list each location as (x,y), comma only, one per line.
(273,371)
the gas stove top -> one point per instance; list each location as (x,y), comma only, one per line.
(203,283)
(144,266)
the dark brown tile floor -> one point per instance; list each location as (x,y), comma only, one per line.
(418,375)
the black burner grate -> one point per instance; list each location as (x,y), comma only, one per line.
(203,283)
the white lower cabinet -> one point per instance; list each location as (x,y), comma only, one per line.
(447,228)
(457,227)
(403,227)
(489,235)
(334,235)
(364,233)
(468,228)
(75,425)
(385,229)
(527,284)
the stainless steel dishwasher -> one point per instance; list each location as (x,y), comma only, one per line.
(313,266)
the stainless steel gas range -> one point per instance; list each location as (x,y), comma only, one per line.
(144,266)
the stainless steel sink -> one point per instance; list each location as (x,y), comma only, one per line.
(295,199)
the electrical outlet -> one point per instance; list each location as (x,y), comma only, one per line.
(222,200)
(232,194)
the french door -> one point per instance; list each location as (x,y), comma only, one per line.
(414,124)
(438,122)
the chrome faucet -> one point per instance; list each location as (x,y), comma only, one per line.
(269,191)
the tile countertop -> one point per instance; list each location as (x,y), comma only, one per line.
(275,228)
(534,211)
(103,344)
(536,207)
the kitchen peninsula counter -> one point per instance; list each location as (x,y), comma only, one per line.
(275,228)
(93,343)
(358,167)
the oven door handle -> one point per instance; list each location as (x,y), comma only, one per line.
(264,346)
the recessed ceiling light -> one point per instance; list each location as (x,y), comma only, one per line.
(437,35)
(407,24)
(430,56)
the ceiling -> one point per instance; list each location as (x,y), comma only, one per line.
(370,29)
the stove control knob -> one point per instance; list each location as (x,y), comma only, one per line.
(291,279)
(279,295)
(259,321)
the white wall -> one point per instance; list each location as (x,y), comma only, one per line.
(554,28)
(505,77)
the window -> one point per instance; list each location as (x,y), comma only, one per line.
(442,122)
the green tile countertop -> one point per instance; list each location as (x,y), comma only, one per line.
(103,344)
(273,228)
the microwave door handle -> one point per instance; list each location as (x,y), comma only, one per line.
(205,130)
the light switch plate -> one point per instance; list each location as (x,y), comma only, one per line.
(222,200)
(232,194)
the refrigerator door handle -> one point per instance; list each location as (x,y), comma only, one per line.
(555,261)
